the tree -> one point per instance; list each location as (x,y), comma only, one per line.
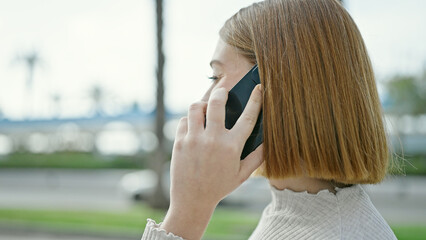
(30,59)
(56,104)
(97,95)
(158,199)
(407,96)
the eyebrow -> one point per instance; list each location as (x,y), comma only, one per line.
(214,61)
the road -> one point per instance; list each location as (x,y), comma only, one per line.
(63,189)
(401,200)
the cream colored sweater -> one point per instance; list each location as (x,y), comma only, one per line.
(348,214)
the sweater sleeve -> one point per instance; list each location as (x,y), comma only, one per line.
(153,232)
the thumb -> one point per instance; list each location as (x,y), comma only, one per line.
(251,163)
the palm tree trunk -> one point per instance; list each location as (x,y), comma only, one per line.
(159,200)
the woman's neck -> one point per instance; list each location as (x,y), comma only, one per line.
(300,184)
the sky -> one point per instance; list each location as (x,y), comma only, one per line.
(111,43)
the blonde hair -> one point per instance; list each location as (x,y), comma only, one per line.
(321,111)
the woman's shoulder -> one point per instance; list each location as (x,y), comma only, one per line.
(360,218)
(346,214)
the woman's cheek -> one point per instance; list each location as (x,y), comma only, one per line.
(225,83)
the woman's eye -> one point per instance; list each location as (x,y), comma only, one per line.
(213,78)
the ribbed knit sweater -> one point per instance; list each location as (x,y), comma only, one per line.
(348,214)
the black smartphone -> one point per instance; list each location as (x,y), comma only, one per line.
(238,97)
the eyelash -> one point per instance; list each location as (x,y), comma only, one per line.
(213,78)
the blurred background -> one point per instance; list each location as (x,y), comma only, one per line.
(90,95)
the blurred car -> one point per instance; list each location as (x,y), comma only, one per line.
(252,193)
(140,185)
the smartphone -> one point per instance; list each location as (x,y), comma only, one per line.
(238,97)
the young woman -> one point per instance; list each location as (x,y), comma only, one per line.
(322,121)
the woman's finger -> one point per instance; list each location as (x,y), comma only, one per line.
(251,163)
(182,128)
(215,118)
(196,114)
(245,123)
(206,95)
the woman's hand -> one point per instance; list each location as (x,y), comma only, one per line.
(206,164)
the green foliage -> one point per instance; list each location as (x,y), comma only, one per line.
(410,165)
(410,232)
(231,224)
(126,223)
(225,223)
(73,160)
(407,94)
